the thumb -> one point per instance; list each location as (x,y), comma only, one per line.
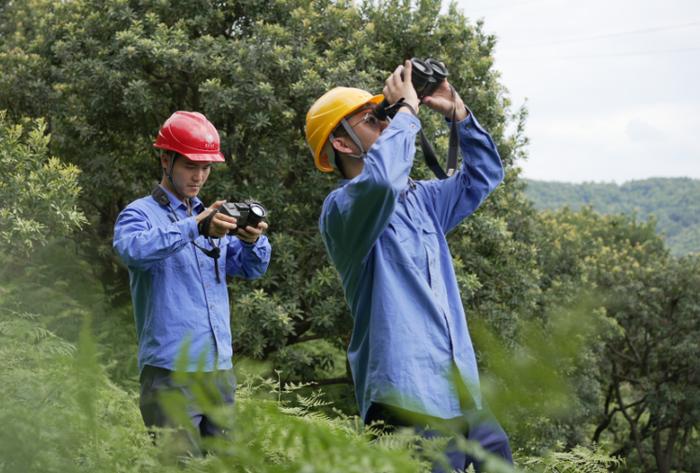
(217,204)
(205,213)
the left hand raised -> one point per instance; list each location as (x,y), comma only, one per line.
(444,100)
(251,234)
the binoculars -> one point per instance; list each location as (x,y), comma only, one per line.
(426,77)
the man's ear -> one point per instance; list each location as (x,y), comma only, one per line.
(341,144)
(164,161)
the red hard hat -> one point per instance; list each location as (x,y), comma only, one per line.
(191,135)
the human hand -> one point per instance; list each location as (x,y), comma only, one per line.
(251,234)
(220,224)
(399,86)
(444,100)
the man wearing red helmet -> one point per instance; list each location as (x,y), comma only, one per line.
(178,253)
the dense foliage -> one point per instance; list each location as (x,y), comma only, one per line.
(673,202)
(584,324)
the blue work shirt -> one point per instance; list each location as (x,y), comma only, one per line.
(386,237)
(174,290)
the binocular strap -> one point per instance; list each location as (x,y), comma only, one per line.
(429,152)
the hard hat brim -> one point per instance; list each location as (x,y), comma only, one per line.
(212,158)
(198,157)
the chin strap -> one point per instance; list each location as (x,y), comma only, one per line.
(355,139)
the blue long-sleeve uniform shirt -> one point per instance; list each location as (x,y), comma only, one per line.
(174,289)
(386,237)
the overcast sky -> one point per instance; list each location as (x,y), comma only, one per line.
(613,87)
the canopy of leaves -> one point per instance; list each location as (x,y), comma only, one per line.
(96,79)
(674,203)
(39,193)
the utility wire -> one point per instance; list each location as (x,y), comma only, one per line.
(500,6)
(623,54)
(611,35)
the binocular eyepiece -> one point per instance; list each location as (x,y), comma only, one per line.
(426,76)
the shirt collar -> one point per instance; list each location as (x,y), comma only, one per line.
(177,203)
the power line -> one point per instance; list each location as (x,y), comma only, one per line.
(501,6)
(623,54)
(612,35)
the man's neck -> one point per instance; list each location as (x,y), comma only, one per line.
(165,183)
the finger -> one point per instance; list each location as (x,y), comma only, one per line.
(252,230)
(396,79)
(217,204)
(392,77)
(247,236)
(263,226)
(219,222)
(225,218)
(408,71)
(226,227)
(445,87)
(391,82)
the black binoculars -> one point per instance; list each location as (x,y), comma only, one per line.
(426,77)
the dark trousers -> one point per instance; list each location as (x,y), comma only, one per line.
(158,384)
(476,425)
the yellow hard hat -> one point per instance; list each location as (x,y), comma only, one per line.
(326,113)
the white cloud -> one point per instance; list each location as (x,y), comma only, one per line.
(639,130)
(610,85)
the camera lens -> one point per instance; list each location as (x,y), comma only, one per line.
(257,210)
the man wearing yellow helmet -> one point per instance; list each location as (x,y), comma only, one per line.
(410,351)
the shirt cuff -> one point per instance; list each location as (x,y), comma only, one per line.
(470,123)
(261,247)
(406,121)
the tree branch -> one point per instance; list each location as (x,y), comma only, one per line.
(634,433)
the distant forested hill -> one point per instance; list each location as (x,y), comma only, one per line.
(674,202)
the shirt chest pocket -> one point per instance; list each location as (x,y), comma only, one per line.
(190,258)
(182,260)
(411,247)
